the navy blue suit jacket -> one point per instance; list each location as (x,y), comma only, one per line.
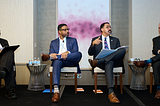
(71,44)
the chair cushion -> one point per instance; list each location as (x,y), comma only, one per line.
(115,70)
(65,69)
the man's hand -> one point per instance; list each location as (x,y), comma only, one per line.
(53,55)
(96,41)
(159,51)
(64,55)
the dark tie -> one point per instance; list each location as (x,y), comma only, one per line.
(105,44)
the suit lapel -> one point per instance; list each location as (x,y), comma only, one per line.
(57,45)
(111,42)
(67,43)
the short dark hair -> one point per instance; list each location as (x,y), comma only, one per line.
(61,25)
(102,25)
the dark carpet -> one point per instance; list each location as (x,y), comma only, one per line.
(69,98)
(146,97)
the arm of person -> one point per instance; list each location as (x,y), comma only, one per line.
(95,41)
(5,43)
(52,51)
(118,43)
(53,56)
(156,49)
(64,55)
(158,52)
(73,47)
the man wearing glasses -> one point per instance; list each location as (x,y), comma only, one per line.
(105,41)
(63,53)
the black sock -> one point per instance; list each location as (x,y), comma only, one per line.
(110,90)
(158,87)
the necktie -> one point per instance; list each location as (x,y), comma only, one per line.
(105,44)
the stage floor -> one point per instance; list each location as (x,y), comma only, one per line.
(87,98)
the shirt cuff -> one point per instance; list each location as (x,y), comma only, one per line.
(69,52)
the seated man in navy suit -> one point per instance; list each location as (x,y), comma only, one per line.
(63,53)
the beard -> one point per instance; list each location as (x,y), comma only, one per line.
(65,35)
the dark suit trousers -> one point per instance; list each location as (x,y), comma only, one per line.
(156,68)
(71,61)
(113,60)
(7,62)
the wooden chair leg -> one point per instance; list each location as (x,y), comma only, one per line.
(116,81)
(121,83)
(50,82)
(75,81)
(95,82)
(151,81)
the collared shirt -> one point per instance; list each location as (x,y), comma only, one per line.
(62,45)
(108,41)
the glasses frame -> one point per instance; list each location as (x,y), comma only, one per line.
(64,29)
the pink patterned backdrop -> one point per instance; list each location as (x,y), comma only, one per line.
(84,18)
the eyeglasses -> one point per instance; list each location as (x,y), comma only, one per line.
(64,29)
(108,27)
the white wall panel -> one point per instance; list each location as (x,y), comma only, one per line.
(145,20)
(16,25)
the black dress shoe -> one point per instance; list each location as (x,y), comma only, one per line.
(11,95)
(2,73)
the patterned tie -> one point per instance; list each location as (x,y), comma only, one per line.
(105,44)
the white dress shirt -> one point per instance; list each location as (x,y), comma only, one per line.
(62,45)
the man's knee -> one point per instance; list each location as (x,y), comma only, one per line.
(79,55)
(111,63)
(57,62)
(122,50)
